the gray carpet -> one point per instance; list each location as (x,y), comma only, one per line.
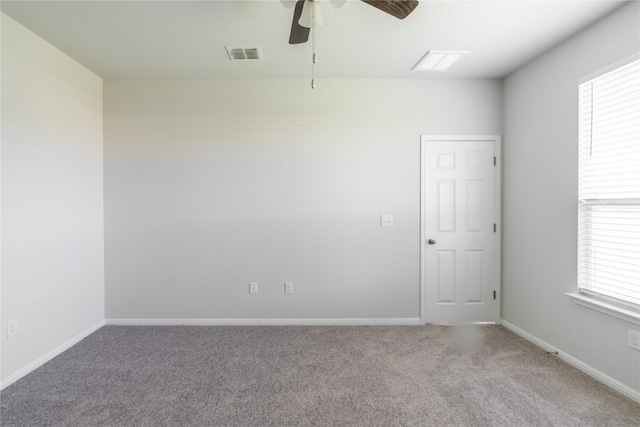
(310,376)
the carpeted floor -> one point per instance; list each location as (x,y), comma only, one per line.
(310,376)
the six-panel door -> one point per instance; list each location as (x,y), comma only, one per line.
(459,229)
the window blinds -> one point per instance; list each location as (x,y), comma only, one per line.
(609,185)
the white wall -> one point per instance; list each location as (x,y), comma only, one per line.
(540,206)
(212,184)
(52,200)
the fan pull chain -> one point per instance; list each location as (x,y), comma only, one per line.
(313,72)
(314,58)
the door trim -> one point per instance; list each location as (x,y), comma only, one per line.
(497,209)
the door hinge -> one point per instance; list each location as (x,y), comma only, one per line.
(494,161)
(494,227)
(494,294)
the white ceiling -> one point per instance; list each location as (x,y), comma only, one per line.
(187,39)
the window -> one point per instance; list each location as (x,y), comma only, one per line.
(609,189)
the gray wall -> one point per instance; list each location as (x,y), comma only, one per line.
(540,199)
(212,184)
(52,202)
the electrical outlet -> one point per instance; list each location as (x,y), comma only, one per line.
(253,288)
(386,220)
(288,287)
(634,339)
(12,327)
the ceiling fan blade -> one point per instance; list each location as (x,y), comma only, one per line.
(299,34)
(398,8)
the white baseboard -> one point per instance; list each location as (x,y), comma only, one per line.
(268,322)
(577,363)
(48,356)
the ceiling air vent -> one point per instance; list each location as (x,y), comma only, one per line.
(244,53)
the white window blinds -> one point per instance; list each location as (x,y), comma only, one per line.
(609,185)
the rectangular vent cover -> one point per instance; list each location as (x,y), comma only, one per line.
(244,53)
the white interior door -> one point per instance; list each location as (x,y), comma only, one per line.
(460,229)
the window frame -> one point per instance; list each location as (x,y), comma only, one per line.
(616,307)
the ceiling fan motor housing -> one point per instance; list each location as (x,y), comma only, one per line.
(306,14)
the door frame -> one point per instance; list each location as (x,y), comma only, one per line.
(497,210)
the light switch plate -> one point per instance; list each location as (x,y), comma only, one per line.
(386,220)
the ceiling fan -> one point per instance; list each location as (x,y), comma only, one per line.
(300,31)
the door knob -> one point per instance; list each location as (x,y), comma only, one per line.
(431,242)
